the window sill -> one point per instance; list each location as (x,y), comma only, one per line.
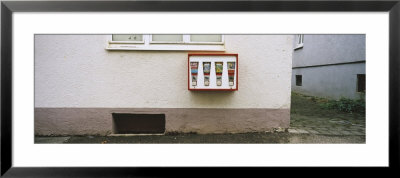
(187,43)
(165,47)
(125,42)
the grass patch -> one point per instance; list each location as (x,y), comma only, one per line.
(342,105)
(346,105)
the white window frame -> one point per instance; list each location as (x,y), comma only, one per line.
(299,39)
(166,42)
(149,44)
(190,42)
(126,42)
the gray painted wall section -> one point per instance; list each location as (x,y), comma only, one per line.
(329,81)
(329,49)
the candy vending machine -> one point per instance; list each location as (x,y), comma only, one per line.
(217,72)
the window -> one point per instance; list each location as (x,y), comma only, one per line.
(299,80)
(360,82)
(299,41)
(167,38)
(174,42)
(132,37)
(206,38)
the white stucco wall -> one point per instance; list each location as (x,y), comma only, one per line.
(77,71)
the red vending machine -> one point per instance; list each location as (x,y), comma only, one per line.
(213,72)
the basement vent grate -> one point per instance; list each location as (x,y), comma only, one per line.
(127,123)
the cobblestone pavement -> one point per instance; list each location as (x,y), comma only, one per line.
(327,126)
(307,116)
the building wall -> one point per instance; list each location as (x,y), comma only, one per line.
(334,81)
(78,84)
(329,65)
(329,49)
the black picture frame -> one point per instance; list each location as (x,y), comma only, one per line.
(8,7)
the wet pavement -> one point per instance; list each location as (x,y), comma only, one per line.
(251,138)
(307,116)
(326,126)
(310,123)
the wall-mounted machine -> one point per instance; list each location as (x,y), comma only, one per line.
(213,72)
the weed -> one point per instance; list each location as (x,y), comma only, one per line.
(346,105)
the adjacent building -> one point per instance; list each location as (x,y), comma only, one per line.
(135,84)
(330,66)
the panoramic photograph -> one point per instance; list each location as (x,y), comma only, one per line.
(199,88)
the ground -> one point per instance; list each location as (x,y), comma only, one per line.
(307,116)
(310,123)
